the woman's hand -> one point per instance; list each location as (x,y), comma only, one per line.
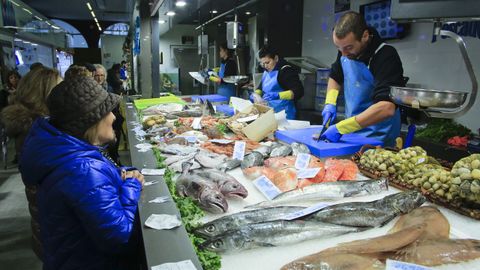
(133,174)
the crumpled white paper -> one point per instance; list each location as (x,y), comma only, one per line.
(146,171)
(161,199)
(143,147)
(162,221)
(182,265)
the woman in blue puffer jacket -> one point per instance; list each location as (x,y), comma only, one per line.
(87,204)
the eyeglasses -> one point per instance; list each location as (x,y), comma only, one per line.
(99,75)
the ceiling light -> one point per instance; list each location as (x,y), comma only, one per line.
(170,13)
(93,14)
(162,21)
(180,3)
(55,27)
(28,11)
(15,3)
(34,44)
(38,18)
(214,11)
(89,6)
(248,13)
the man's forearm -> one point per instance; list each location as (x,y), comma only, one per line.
(376,113)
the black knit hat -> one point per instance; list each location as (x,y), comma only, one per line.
(78,103)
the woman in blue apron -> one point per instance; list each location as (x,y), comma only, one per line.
(228,67)
(365,68)
(280,85)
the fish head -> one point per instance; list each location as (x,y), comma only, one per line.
(220,244)
(207,230)
(213,201)
(407,201)
(233,189)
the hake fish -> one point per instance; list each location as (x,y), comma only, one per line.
(273,233)
(201,190)
(326,191)
(209,160)
(228,165)
(281,151)
(228,185)
(237,220)
(370,214)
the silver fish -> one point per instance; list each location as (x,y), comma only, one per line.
(203,191)
(370,214)
(251,160)
(187,113)
(177,166)
(228,165)
(326,191)
(175,158)
(264,150)
(273,233)
(298,148)
(238,220)
(281,151)
(210,160)
(228,185)
(177,149)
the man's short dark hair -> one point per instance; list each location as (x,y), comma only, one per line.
(35,65)
(350,22)
(267,51)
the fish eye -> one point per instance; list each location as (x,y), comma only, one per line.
(210,228)
(218,243)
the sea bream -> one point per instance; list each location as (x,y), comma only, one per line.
(273,233)
(326,191)
(201,190)
(227,184)
(370,214)
(238,220)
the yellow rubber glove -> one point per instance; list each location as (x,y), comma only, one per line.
(215,79)
(332,95)
(286,95)
(217,69)
(258,91)
(348,125)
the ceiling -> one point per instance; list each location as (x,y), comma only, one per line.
(105,10)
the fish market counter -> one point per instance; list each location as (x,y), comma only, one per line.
(161,246)
(174,245)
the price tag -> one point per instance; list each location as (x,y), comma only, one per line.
(302,161)
(397,265)
(308,173)
(196,124)
(221,141)
(239,150)
(146,171)
(268,189)
(306,211)
(183,265)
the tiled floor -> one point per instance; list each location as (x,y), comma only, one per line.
(15,232)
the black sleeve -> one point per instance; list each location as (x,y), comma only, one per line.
(230,68)
(289,80)
(387,70)
(337,72)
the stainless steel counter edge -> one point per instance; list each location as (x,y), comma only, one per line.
(161,246)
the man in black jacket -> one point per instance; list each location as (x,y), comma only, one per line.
(365,69)
(280,85)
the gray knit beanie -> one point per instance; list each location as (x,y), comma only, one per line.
(78,103)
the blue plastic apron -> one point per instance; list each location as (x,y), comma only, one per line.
(270,85)
(358,88)
(225,89)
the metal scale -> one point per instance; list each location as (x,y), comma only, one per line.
(233,42)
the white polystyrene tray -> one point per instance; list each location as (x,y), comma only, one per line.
(275,257)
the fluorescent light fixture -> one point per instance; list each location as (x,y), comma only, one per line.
(180,3)
(170,13)
(15,3)
(162,21)
(89,6)
(26,10)
(26,42)
(55,27)
(34,44)
(38,18)
(93,14)
(248,13)
(214,11)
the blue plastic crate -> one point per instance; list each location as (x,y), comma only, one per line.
(211,98)
(225,109)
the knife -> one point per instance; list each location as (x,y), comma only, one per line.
(324,128)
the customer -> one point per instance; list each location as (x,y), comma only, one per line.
(87,204)
(75,70)
(30,104)
(113,79)
(101,76)
(7,94)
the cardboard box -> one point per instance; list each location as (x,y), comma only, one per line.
(261,127)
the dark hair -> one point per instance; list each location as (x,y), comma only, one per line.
(74,71)
(123,62)
(225,47)
(14,73)
(350,22)
(35,65)
(267,52)
(90,67)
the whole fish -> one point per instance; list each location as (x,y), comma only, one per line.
(228,165)
(228,185)
(238,220)
(370,214)
(327,191)
(177,149)
(176,158)
(281,151)
(187,113)
(203,191)
(298,148)
(273,233)
(251,160)
(264,150)
(177,166)
(210,160)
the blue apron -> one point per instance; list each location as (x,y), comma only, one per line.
(358,88)
(225,89)
(269,85)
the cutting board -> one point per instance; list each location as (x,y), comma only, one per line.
(348,144)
